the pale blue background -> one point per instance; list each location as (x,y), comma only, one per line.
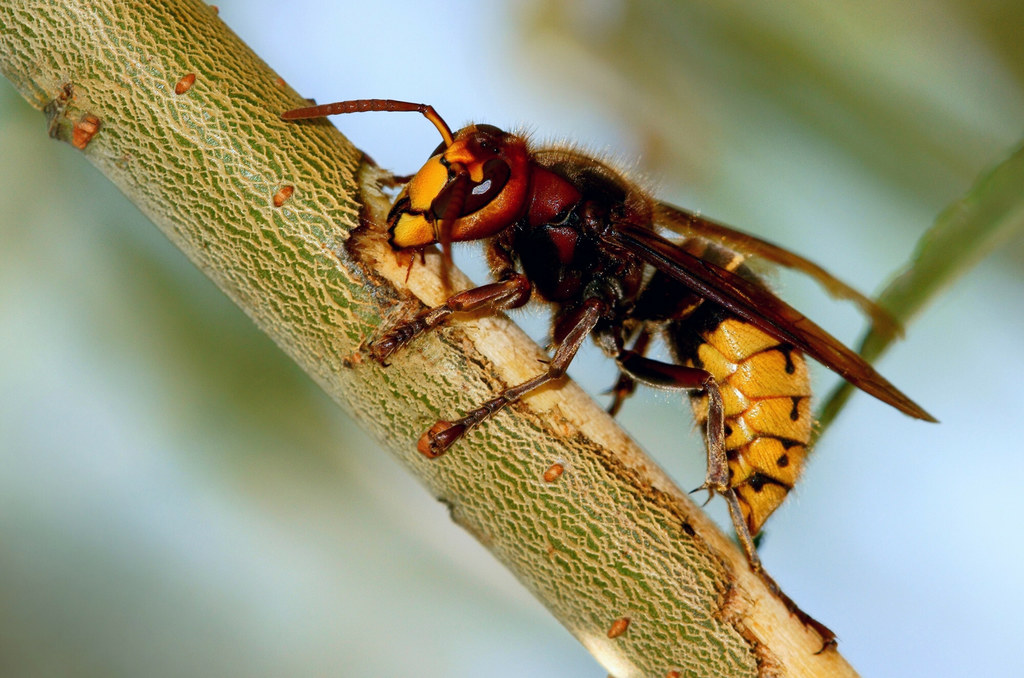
(176,499)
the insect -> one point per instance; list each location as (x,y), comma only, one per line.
(565,227)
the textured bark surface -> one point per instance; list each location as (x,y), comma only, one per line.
(174,109)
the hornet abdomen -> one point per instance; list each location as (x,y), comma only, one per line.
(765,392)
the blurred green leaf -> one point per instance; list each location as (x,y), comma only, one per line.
(964,233)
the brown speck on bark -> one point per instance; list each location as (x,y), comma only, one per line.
(619,627)
(279,81)
(352,359)
(283,194)
(215,8)
(553,473)
(672,674)
(185,84)
(84,131)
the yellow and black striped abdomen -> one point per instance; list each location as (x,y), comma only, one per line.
(766,394)
(766,391)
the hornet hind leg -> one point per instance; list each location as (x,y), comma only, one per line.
(670,375)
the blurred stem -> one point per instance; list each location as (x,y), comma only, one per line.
(177,112)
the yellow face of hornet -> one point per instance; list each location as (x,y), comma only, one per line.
(410,227)
(476,187)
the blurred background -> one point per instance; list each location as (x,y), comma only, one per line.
(176,498)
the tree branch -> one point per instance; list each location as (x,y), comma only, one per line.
(175,110)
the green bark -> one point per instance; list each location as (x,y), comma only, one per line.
(611,538)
